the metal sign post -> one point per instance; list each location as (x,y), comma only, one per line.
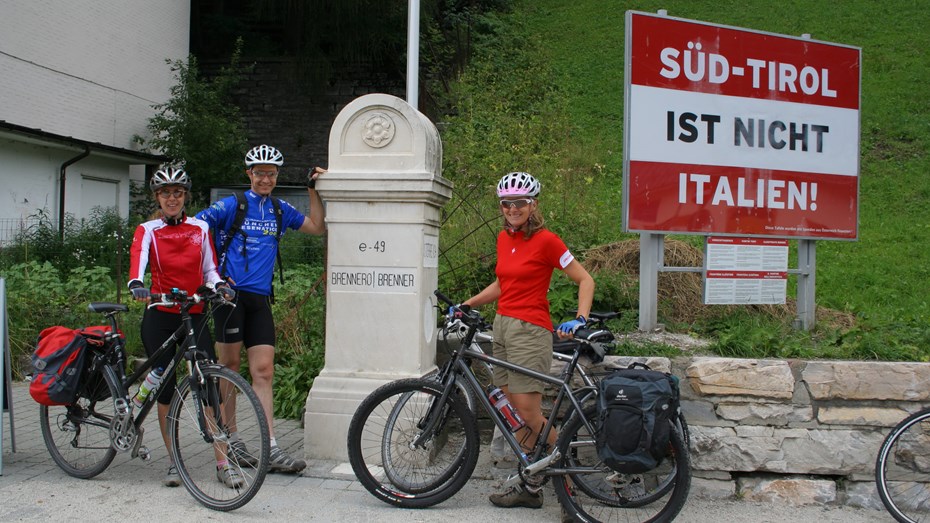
(6,401)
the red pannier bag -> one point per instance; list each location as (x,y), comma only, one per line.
(59,362)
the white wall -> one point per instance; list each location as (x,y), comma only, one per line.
(84,69)
(29,180)
(89,69)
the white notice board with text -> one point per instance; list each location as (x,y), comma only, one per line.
(743,271)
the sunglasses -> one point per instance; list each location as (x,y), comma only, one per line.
(516,204)
(265,174)
(177,193)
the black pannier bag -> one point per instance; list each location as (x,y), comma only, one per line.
(636,407)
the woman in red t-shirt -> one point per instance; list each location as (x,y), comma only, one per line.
(527,253)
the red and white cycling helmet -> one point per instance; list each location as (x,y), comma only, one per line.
(170,176)
(264,155)
(518,184)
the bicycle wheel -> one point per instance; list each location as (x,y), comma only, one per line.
(593,492)
(78,435)
(383,455)
(197,447)
(902,469)
(397,475)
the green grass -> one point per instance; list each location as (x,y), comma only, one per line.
(557,67)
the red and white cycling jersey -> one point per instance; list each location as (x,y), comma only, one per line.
(179,255)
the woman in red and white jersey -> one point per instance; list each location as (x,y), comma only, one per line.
(178,252)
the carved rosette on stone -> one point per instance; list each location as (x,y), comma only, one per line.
(379,130)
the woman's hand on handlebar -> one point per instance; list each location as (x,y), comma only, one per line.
(138,290)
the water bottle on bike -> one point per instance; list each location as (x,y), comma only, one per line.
(505,409)
(152,381)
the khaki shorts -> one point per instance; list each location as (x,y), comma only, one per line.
(523,344)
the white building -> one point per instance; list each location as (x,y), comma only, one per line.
(78,79)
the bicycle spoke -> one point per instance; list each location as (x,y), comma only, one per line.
(78,436)
(200,439)
(902,469)
(392,456)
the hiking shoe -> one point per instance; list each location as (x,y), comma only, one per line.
(172,478)
(281,462)
(240,453)
(517,496)
(229,476)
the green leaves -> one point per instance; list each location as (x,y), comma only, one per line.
(199,126)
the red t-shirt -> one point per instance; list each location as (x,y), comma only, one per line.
(524,270)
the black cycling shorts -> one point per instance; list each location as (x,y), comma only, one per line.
(157,326)
(250,321)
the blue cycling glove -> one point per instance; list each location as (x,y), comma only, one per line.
(457,312)
(569,327)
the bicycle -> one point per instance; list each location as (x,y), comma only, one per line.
(414,442)
(84,437)
(902,469)
(594,343)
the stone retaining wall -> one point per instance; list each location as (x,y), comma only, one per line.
(798,432)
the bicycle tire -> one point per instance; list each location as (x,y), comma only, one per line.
(593,492)
(902,469)
(428,475)
(78,435)
(387,451)
(193,457)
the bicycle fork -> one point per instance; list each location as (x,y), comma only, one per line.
(212,397)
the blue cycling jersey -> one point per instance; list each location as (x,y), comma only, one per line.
(250,260)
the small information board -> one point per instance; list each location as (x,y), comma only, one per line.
(743,271)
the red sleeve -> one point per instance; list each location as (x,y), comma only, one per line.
(139,254)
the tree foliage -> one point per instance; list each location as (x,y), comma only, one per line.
(199,126)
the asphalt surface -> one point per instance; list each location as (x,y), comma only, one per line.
(33,488)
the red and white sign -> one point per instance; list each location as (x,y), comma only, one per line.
(732,131)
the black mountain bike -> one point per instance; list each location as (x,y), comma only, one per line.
(84,437)
(902,469)
(414,442)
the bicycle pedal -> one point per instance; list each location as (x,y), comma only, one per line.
(144,453)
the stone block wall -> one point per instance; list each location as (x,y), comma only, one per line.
(794,431)
(797,432)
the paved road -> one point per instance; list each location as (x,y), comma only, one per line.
(32,488)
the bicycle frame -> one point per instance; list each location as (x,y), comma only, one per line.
(459,365)
(113,361)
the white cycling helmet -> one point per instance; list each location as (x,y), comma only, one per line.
(264,155)
(518,184)
(170,176)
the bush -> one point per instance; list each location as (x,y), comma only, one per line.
(300,319)
(38,297)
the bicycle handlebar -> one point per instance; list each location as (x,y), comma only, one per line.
(178,297)
(593,335)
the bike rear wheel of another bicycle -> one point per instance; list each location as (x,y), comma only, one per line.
(228,405)
(593,492)
(902,469)
(78,435)
(390,462)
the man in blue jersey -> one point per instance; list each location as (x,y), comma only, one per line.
(247,260)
